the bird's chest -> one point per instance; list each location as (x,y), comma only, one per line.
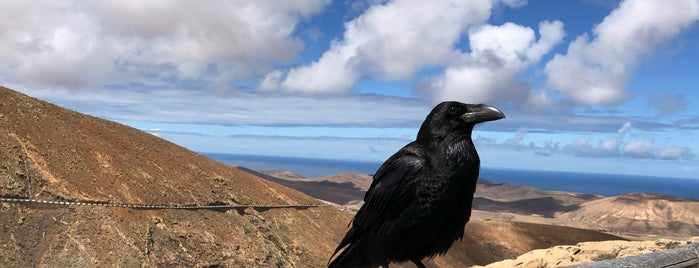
(442,193)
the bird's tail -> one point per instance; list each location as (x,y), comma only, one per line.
(350,257)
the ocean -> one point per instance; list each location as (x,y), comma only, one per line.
(592,183)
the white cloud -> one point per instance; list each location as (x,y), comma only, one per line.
(325,148)
(645,148)
(393,41)
(244,108)
(673,152)
(639,148)
(48,42)
(388,41)
(610,146)
(597,71)
(518,138)
(625,128)
(617,145)
(73,44)
(593,146)
(498,54)
(582,146)
(515,3)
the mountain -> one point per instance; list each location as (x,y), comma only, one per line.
(641,214)
(635,216)
(503,192)
(358,180)
(347,189)
(485,240)
(50,153)
(526,200)
(331,191)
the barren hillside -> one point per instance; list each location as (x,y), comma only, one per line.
(567,255)
(641,214)
(488,241)
(51,153)
(634,216)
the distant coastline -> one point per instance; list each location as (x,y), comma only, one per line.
(593,183)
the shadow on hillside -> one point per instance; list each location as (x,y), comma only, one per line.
(338,193)
(545,206)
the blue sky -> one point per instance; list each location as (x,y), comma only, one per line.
(587,85)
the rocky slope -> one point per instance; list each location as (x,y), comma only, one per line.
(566,255)
(51,153)
(641,215)
(488,241)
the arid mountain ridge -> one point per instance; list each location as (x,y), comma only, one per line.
(635,216)
(50,153)
(655,222)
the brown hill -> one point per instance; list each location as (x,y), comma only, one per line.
(51,153)
(526,200)
(347,189)
(485,241)
(641,214)
(342,193)
(359,180)
(503,192)
(636,216)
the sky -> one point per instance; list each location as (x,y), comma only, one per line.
(587,85)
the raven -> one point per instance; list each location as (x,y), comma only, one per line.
(420,198)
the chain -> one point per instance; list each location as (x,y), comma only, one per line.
(152,207)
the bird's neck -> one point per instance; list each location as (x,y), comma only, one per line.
(455,151)
(427,137)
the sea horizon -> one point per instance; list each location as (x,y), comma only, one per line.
(580,182)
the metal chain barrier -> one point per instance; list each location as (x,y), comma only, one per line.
(152,207)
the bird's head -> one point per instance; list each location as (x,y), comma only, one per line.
(456,117)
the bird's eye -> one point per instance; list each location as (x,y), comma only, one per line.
(453,110)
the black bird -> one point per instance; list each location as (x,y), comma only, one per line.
(420,198)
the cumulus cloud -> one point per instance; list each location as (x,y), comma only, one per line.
(605,147)
(673,152)
(638,148)
(618,145)
(498,54)
(596,71)
(610,146)
(73,44)
(518,138)
(582,145)
(388,41)
(646,148)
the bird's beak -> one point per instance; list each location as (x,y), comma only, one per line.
(482,113)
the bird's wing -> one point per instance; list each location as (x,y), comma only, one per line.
(390,192)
